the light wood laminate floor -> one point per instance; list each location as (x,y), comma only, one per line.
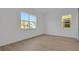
(44,43)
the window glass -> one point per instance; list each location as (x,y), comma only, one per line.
(28,21)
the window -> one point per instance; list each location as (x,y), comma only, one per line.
(66,21)
(32,21)
(28,21)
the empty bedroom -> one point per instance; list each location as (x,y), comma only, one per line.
(39,29)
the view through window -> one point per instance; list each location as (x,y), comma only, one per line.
(28,21)
(66,21)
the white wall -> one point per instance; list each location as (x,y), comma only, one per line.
(78,23)
(53,23)
(10,26)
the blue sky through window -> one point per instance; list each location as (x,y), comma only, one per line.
(24,16)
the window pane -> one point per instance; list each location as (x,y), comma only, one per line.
(32,25)
(24,16)
(24,24)
(66,21)
(32,18)
(33,21)
(24,20)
